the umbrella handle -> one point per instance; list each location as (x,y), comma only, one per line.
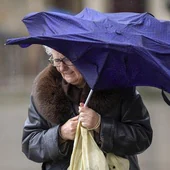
(87,100)
(88,97)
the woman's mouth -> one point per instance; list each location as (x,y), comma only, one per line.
(70,73)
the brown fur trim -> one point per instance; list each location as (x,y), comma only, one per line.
(49,99)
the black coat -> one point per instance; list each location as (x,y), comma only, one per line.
(125,122)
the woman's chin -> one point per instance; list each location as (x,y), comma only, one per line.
(70,81)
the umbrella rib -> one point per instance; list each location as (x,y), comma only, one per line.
(99,73)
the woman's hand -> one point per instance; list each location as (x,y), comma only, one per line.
(68,130)
(88,117)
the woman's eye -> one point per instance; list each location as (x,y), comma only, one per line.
(57,60)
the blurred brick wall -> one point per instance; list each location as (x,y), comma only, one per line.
(12,12)
(126,5)
(15,62)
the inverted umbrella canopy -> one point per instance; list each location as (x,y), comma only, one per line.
(109,49)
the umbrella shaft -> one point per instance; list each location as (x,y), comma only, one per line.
(88,97)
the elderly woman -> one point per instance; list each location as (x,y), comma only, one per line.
(118,117)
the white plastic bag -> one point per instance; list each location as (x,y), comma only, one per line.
(87,155)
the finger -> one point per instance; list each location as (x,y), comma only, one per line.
(81,104)
(81,119)
(81,114)
(75,118)
(73,124)
(82,109)
(83,124)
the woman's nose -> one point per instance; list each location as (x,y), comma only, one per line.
(62,66)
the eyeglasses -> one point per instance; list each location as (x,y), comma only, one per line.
(57,62)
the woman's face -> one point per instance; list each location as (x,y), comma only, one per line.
(69,72)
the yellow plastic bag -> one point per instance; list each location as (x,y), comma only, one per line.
(87,155)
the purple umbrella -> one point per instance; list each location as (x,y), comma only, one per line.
(109,49)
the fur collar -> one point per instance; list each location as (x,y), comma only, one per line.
(51,100)
(48,97)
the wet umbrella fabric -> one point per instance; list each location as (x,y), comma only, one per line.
(109,49)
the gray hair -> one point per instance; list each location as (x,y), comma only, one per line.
(48,50)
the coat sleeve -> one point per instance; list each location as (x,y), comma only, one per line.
(39,141)
(132,134)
